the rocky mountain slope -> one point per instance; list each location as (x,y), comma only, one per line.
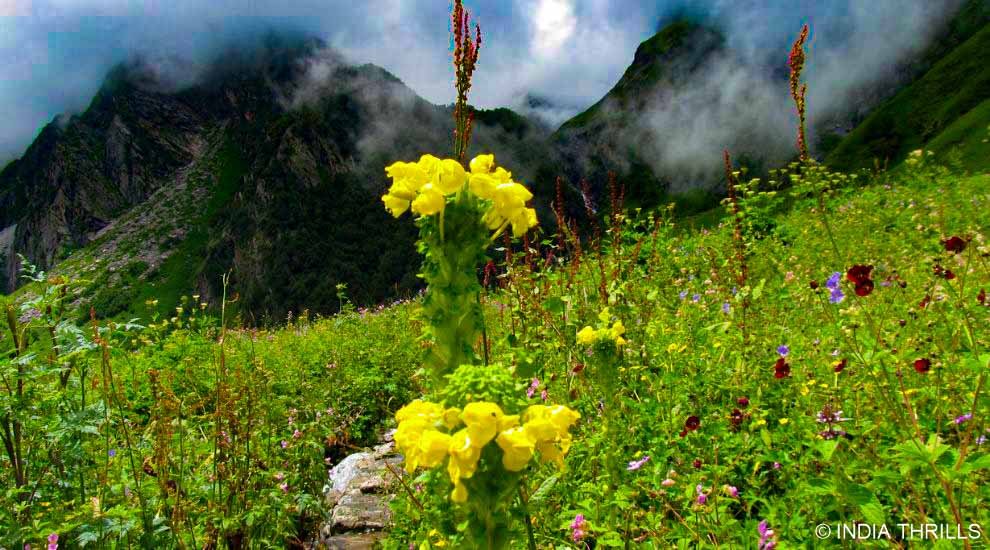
(271,166)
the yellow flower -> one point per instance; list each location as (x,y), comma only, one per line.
(482,164)
(419,408)
(450,176)
(617,330)
(409,174)
(433,446)
(459,494)
(517,448)
(562,418)
(482,422)
(587,335)
(522,221)
(429,201)
(451,417)
(549,452)
(463,456)
(429,164)
(395,205)
(508,421)
(482,185)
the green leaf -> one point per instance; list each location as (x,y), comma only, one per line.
(766,437)
(541,492)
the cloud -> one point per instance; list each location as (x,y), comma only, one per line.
(565,54)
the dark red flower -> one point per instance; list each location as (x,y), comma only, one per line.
(925,301)
(923,365)
(692,423)
(813,285)
(697,463)
(982,296)
(781,368)
(943,272)
(683,432)
(864,288)
(954,244)
(578,367)
(859,273)
(743,401)
(736,418)
(840,365)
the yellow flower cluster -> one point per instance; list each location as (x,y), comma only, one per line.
(420,438)
(588,335)
(423,186)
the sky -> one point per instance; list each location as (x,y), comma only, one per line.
(569,53)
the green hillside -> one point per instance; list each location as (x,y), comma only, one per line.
(956,85)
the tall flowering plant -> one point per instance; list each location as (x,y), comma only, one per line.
(460,212)
(473,422)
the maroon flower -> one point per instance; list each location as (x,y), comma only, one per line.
(743,401)
(954,244)
(840,366)
(943,272)
(696,464)
(684,432)
(578,367)
(781,368)
(813,285)
(925,301)
(864,288)
(923,365)
(692,423)
(736,418)
(859,273)
(982,297)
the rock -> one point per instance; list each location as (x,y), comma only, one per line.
(358,492)
(359,511)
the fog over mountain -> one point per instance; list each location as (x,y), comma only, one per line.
(566,53)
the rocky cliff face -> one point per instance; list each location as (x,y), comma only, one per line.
(270,167)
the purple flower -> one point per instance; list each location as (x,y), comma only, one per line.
(734,291)
(637,464)
(783,350)
(963,418)
(695,298)
(578,527)
(726,307)
(702,497)
(836,296)
(683,294)
(284,487)
(53,541)
(776,465)
(285,444)
(833,282)
(544,395)
(112,453)
(732,490)
(981,440)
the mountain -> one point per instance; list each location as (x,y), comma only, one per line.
(270,167)
(610,135)
(948,105)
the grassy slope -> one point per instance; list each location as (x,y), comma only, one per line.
(953,87)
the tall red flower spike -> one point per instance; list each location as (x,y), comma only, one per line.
(798,91)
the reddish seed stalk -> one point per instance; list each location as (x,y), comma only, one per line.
(796,63)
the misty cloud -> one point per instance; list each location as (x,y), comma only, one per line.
(567,53)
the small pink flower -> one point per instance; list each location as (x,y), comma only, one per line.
(533,386)
(296,434)
(668,482)
(284,444)
(544,395)
(53,541)
(284,487)
(732,491)
(279,476)
(578,527)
